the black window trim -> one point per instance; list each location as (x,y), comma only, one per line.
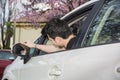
(81,35)
(78,12)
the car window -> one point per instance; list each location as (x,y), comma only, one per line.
(74,20)
(5,55)
(105,28)
(74,25)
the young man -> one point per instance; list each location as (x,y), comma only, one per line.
(59,33)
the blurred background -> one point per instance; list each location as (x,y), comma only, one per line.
(23,19)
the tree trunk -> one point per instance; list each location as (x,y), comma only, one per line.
(2,36)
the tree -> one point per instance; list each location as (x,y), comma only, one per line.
(50,8)
(6,28)
(61,7)
(47,8)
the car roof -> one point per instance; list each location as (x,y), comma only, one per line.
(88,4)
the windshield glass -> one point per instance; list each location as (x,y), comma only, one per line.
(5,55)
(106,26)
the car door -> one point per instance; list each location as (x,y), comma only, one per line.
(100,43)
(97,56)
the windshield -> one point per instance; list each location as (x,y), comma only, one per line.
(5,55)
(105,28)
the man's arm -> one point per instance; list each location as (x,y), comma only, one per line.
(49,48)
(45,48)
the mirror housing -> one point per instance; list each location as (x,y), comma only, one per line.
(21,50)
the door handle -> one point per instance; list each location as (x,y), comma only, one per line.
(55,71)
(117,71)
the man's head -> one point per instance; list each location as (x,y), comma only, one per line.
(57,30)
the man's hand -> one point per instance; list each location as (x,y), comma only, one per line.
(28,44)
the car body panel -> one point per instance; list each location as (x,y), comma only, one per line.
(88,64)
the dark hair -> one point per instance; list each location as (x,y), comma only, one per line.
(56,27)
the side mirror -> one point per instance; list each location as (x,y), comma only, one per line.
(21,50)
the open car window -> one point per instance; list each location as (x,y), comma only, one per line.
(74,25)
(74,20)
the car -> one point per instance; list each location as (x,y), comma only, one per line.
(75,17)
(5,59)
(95,55)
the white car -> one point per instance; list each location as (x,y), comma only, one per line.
(95,54)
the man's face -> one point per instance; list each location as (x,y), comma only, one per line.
(56,42)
